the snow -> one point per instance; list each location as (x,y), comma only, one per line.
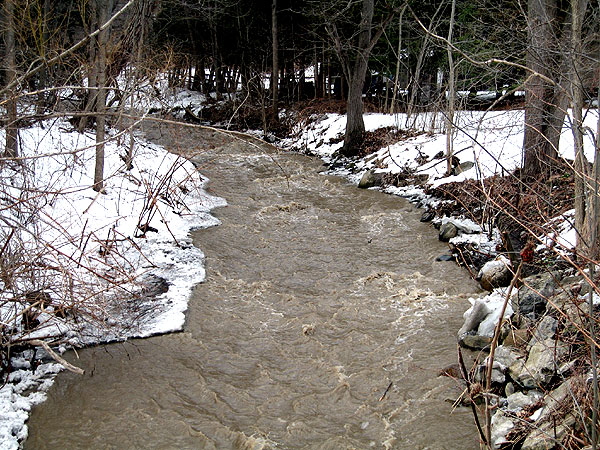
(493,303)
(492,140)
(97,245)
(562,235)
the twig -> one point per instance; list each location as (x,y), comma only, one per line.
(493,345)
(386,391)
(67,365)
(465,375)
(93,201)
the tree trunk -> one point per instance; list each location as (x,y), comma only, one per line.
(398,58)
(451,97)
(104,7)
(92,93)
(275,69)
(10,66)
(545,100)
(586,191)
(42,101)
(355,125)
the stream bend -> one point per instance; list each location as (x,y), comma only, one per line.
(322,324)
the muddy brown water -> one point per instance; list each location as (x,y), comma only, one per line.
(319,297)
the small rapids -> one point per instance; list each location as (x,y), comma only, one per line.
(323,323)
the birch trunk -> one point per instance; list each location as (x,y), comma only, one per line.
(451,96)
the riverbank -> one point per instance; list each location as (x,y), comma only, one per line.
(99,267)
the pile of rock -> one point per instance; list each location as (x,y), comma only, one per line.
(541,376)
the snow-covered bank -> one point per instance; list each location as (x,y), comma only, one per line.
(108,266)
(492,140)
(486,144)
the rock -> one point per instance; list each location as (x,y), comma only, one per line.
(555,400)
(542,363)
(308,329)
(549,434)
(370,179)
(427,216)
(495,273)
(153,286)
(473,317)
(497,373)
(447,231)
(509,389)
(561,301)
(501,426)
(577,320)
(531,298)
(517,338)
(475,341)
(545,329)
(446,258)
(518,401)
(452,371)
(506,356)
(463,167)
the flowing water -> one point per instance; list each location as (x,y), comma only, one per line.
(319,297)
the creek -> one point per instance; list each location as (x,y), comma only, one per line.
(323,323)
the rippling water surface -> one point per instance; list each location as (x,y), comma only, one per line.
(319,297)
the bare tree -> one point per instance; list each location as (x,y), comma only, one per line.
(398,60)
(586,175)
(451,95)
(10,68)
(546,87)
(103,10)
(354,59)
(275,69)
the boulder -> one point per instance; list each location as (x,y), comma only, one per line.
(531,298)
(497,373)
(427,216)
(447,231)
(555,400)
(517,338)
(542,363)
(518,401)
(495,273)
(549,434)
(474,341)
(463,167)
(370,179)
(555,419)
(502,424)
(545,329)
(504,357)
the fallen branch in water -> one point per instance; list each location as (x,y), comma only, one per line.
(67,365)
